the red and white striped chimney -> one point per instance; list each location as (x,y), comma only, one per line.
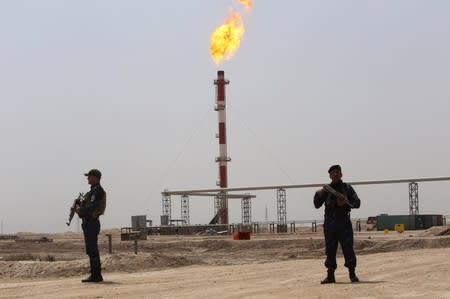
(223,158)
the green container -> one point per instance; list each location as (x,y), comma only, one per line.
(411,222)
(389,221)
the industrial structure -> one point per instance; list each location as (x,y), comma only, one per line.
(221,216)
(221,197)
(222,194)
(282,223)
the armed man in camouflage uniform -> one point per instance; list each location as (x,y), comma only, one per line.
(337,226)
(90,209)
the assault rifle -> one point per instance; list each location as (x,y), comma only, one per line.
(337,194)
(76,202)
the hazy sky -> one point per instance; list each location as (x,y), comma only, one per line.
(123,85)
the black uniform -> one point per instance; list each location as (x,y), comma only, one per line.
(91,227)
(338,226)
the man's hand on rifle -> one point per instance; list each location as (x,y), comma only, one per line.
(77,209)
(322,192)
(340,201)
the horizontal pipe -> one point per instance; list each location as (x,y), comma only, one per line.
(276,187)
(215,194)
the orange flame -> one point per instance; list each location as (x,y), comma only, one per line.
(226,39)
(247,3)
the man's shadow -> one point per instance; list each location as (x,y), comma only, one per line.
(109,282)
(361,282)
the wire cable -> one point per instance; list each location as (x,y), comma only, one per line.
(180,152)
(261,144)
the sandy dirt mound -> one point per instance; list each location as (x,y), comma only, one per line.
(122,262)
(65,257)
(435,231)
(410,274)
(406,244)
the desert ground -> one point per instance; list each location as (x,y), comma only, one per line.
(414,264)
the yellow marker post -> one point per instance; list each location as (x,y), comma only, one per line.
(400,228)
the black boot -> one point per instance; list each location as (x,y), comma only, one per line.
(96,275)
(99,276)
(97,269)
(330,277)
(352,275)
(87,279)
(93,278)
(90,277)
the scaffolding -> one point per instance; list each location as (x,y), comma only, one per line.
(167,206)
(185,209)
(246,210)
(216,204)
(281,211)
(413,198)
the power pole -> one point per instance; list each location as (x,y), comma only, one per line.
(266,218)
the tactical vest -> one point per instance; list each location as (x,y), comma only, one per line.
(331,208)
(101,205)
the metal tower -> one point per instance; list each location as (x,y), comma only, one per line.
(413,198)
(185,209)
(167,205)
(281,211)
(246,210)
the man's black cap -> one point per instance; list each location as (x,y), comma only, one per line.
(94,172)
(334,167)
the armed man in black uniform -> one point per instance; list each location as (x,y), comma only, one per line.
(90,209)
(339,198)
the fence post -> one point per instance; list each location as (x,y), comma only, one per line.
(109,243)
